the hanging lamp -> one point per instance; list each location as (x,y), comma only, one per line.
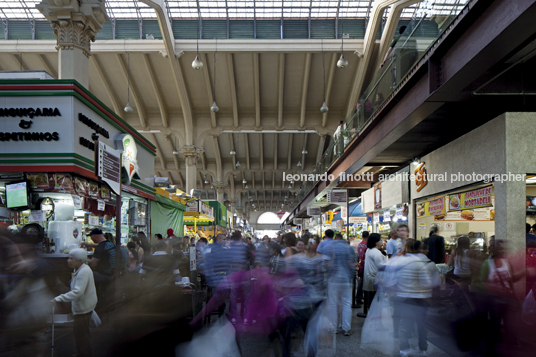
(128,108)
(214,108)
(324,108)
(197,64)
(342,62)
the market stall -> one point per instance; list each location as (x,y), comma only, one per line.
(53,149)
(197,217)
(357,220)
(387,203)
(167,212)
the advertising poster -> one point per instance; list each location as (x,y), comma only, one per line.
(431,208)
(378,195)
(376,217)
(471,199)
(477,214)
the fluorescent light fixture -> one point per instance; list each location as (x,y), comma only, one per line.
(149,131)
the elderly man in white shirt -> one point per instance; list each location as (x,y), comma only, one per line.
(83,299)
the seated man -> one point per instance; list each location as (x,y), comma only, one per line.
(159,268)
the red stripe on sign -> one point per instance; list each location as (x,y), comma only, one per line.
(49,168)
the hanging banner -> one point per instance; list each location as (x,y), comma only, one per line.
(344,212)
(378,195)
(471,199)
(100,205)
(431,208)
(386,216)
(376,217)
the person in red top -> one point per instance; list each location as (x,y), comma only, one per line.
(361,250)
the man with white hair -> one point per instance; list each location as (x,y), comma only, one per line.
(83,298)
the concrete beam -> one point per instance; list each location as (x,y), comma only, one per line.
(133,90)
(111,94)
(281,90)
(329,84)
(48,66)
(229,45)
(156,89)
(232,88)
(208,86)
(257,89)
(305,87)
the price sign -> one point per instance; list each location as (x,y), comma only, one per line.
(77,201)
(337,196)
(314,211)
(37,216)
(100,205)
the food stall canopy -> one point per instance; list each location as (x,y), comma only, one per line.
(166,213)
(355,211)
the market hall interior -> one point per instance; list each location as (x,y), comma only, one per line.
(188,119)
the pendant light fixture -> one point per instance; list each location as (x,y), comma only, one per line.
(342,62)
(324,108)
(304,151)
(197,64)
(237,160)
(214,108)
(299,164)
(128,108)
(244,181)
(232,152)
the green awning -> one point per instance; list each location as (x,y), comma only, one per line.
(166,201)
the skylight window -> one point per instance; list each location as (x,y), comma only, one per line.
(250,9)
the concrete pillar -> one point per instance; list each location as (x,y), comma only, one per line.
(220,187)
(510,216)
(510,213)
(75,24)
(191,154)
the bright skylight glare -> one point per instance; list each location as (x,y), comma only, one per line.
(250,9)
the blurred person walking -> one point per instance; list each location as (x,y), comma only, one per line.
(361,251)
(413,277)
(373,259)
(83,299)
(341,269)
(502,306)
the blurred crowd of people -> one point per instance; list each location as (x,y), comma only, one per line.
(287,290)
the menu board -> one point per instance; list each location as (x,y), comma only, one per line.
(431,208)
(471,199)
(358,220)
(477,214)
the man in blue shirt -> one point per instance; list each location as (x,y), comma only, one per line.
(326,242)
(341,261)
(392,244)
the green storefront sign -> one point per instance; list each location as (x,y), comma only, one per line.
(220,213)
